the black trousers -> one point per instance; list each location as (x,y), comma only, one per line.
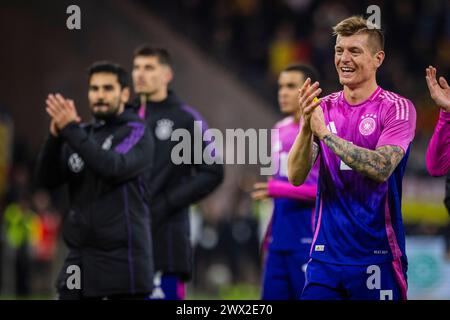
(64,293)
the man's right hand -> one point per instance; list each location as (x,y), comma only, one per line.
(439,91)
(306,100)
(53,128)
(260,191)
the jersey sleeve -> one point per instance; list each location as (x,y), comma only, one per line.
(438,151)
(282,189)
(399,125)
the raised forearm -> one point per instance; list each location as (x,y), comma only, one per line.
(301,156)
(282,189)
(126,161)
(375,164)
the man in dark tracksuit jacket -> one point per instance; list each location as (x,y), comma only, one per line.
(174,187)
(106,165)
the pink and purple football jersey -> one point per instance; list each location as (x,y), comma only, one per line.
(438,151)
(358,220)
(292,227)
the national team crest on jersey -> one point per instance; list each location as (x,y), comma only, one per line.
(163,129)
(368,124)
(76,164)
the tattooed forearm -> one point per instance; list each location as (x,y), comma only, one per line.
(376,164)
(314,152)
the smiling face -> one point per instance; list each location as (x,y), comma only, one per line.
(356,60)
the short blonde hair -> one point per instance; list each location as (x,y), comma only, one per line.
(356,25)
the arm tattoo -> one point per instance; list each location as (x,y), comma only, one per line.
(314,152)
(376,164)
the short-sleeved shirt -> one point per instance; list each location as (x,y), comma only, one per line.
(358,220)
(292,226)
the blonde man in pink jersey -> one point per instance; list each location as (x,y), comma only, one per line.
(438,152)
(363,135)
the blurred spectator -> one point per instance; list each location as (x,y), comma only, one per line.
(286,49)
(19,181)
(6,139)
(45,236)
(18,222)
(29,230)
(227,251)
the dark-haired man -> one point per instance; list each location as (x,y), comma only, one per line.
(289,235)
(106,164)
(174,187)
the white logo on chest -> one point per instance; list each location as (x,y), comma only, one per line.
(368,124)
(76,164)
(107,143)
(163,129)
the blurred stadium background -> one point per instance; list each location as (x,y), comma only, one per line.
(227,55)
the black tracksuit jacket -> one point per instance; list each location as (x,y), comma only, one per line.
(106,165)
(175,187)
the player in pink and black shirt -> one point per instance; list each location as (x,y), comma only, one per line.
(438,151)
(290,232)
(363,136)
